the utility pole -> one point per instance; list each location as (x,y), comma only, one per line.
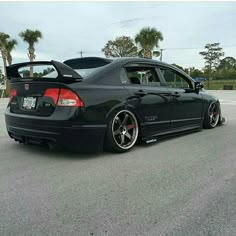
(81,53)
(161,54)
(210,74)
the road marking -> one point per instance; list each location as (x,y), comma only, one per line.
(222,101)
(228,103)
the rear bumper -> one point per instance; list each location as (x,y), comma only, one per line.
(76,137)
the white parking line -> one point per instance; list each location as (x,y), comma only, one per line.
(227,101)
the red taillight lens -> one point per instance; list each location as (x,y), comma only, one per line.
(64,97)
(53,93)
(68,98)
(12,94)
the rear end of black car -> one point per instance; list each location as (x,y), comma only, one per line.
(48,110)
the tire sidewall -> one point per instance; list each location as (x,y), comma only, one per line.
(206,122)
(110,144)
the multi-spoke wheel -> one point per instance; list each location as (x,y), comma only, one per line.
(122,131)
(212,117)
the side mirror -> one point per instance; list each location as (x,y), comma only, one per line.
(198,86)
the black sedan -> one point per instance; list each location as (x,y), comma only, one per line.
(95,103)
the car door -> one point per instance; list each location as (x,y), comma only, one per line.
(150,100)
(187,103)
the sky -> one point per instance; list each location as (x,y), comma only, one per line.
(71,27)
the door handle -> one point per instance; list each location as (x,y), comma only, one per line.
(140,93)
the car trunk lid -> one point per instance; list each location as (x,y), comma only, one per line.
(37,93)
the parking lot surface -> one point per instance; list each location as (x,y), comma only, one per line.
(185,185)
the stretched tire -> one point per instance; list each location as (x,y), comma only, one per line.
(212,116)
(122,132)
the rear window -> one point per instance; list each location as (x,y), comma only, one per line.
(86,72)
(88,65)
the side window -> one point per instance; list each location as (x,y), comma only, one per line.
(142,75)
(175,80)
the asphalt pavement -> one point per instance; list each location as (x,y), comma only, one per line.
(184,185)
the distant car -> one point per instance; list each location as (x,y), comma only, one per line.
(91,103)
(200,79)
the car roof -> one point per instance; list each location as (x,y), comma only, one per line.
(98,61)
(125,60)
(111,64)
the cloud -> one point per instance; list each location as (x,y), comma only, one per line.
(128,22)
(69,27)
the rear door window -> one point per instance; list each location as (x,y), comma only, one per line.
(142,76)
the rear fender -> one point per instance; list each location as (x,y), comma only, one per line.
(120,107)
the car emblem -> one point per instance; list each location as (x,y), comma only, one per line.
(26,86)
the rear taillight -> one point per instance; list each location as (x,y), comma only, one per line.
(52,93)
(12,94)
(64,97)
(68,98)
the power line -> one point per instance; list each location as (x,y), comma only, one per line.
(162,49)
(195,48)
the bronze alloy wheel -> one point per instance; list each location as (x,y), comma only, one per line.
(125,129)
(214,115)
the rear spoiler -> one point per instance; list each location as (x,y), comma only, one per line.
(63,70)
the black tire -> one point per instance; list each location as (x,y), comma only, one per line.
(212,116)
(122,132)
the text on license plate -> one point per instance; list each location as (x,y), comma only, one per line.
(29,103)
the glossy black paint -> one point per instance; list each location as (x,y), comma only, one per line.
(158,109)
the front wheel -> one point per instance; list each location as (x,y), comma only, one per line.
(122,132)
(212,116)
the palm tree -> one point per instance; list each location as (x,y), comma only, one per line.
(148,39)
(10,45)
(31,37)
(3,41)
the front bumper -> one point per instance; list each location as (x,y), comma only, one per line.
(74,137)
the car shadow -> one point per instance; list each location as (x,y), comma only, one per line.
(46,152)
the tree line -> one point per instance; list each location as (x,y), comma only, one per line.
(216,67)
(144,44)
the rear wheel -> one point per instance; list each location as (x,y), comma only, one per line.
(122,132)
(212,116)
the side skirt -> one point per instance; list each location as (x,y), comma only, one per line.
(171,132)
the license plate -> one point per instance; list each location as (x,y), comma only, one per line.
(29,103)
